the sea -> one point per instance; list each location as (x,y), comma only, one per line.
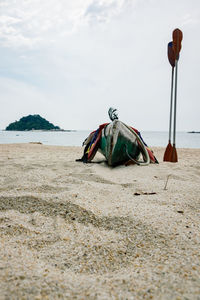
(76,138)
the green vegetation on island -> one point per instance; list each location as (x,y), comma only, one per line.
(32,122)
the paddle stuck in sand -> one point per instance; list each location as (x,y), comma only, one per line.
(174,48)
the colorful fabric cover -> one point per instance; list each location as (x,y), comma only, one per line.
(92,143)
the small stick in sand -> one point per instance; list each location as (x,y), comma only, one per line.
(165,187)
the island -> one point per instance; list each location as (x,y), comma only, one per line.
(193,131)
(32,122)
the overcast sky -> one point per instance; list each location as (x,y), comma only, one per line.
(70,60)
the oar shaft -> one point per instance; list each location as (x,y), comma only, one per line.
(175,102)
(171,104)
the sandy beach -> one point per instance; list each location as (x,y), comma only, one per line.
(70,230)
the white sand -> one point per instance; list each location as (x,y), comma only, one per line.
(70,230)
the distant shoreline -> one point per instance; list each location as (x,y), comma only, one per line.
(193,131)
(43,130)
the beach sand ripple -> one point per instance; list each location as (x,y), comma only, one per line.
(70,230)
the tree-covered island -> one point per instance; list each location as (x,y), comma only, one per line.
(32,122)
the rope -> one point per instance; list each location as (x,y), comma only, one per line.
(144,150)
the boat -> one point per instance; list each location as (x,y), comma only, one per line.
(119,143)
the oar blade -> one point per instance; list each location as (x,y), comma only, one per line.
(177,38)
(171,54)
(174,156)
(168,153)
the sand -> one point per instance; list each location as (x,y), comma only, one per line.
(70,230)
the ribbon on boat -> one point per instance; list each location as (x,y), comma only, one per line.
(94,144)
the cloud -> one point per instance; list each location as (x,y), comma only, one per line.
(18,99)
(31,22)
(71,60)
(102,11)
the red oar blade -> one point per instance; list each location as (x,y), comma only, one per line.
(174,156)
(171,54)
(177,38)
(168,153)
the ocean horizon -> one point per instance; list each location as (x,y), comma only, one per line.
(76,138)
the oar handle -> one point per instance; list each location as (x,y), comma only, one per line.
(171,104)
(175,101)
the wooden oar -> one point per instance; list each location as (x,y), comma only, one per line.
(177,38)
(171,58)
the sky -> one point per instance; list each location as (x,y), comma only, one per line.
(70,60)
